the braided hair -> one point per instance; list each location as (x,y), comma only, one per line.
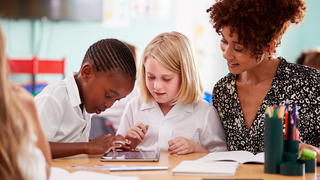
(111,54)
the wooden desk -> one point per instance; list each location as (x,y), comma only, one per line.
(244,170)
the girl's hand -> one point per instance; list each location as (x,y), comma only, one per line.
(136,134)
(308,146)
(181,145)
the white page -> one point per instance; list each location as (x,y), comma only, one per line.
(202,168)
(238,156)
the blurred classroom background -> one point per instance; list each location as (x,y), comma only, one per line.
(64,29)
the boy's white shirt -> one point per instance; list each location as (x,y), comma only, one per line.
(198,122)
(60,114)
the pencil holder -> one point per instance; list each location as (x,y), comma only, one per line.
(273,145)
(291,149)
(291,146)
(287,157)
(310,165)
(292,168)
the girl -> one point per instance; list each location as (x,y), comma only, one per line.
(24,151)
(170,114)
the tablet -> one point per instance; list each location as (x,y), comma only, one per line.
(131,156)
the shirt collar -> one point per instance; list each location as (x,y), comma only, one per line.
(149,105)
(72,90)
(178,107)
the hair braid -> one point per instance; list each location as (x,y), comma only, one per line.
(111,54)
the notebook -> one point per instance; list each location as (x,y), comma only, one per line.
(205,168)
(243,157)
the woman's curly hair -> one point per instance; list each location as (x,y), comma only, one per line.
(257,22)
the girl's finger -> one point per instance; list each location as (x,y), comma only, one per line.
(177,150)
(139,131)
(134,135)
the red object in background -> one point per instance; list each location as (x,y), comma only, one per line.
(36,66)
(110,125)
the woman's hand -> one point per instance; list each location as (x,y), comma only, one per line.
(136,134)
(181,145)
(308,146)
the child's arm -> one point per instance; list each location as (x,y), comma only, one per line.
(182,145)
(136,134)
(50,118)
(127,126)
(99,145)
(212,134)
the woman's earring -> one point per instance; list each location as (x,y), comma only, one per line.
(259,59)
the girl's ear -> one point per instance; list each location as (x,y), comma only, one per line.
(86,71)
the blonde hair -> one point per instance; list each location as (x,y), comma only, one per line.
(15,123)
(173,51)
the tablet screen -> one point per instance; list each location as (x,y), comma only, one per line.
(131,156)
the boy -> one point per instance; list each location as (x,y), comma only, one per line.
(107,74)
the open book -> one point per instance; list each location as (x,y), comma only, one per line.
(205,168)
(62,174)
(237,156)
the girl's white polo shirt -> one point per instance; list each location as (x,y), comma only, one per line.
(61,117)
(198,122)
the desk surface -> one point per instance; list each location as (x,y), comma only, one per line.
(249,171)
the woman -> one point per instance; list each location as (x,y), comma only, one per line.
(251,30)
(24,151)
